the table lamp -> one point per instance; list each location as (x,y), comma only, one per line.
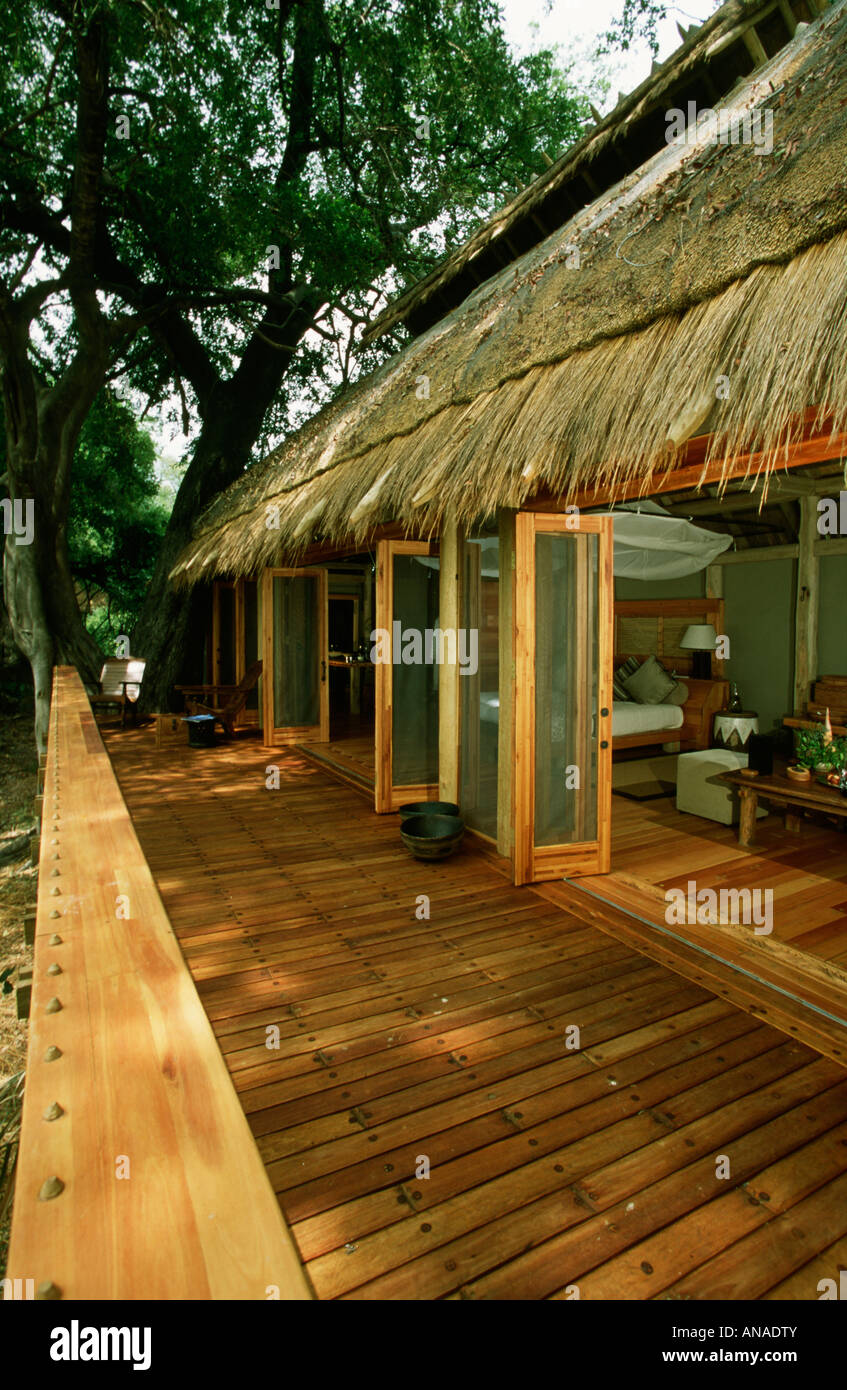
(701,639)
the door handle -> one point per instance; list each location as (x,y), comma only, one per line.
(323,670)
(604,743)
(604,714)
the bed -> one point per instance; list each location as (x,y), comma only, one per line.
(654,627)
(639,726)
(629,718)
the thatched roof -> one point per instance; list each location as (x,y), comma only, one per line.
(729,46)
(711,261)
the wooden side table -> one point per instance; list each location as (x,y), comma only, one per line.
(793,797)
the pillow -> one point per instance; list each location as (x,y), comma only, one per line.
(619,689)
(626,668)
(678,695)
(651,683)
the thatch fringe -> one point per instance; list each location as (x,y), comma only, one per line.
(766,349)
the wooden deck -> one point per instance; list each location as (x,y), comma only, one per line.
(663,848)
(406,1043)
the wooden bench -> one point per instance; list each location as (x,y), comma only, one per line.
(138,1176)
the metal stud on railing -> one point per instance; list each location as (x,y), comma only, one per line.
(50,1188)
(54,1111)
(53,1006)
(48,1290)
(54,969)
(53,1053)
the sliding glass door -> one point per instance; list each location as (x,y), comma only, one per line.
(563,693)
(406,677)
(295,687)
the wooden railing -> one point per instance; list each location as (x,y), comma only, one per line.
(138,1176)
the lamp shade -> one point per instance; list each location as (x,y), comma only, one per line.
(699,637)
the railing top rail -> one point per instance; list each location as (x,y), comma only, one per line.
(138,1176)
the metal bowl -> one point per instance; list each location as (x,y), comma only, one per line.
(432,837)
(428,808)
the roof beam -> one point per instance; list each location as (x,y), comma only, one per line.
(754,46)
(816,448)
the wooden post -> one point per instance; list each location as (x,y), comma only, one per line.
(806,611)
(449,616)
(714,581)
(506,723)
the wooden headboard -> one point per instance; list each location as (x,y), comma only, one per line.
(654,627)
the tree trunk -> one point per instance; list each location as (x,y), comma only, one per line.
(169,633)
(43,612)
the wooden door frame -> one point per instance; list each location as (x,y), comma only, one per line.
(532,864)
(306,733)
(239,629)
(387,797)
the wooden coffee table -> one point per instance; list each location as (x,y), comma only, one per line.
(776,787)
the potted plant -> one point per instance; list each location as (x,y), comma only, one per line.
(822,754)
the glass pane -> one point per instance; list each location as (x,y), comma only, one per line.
(415,671)
(226,634)
(296,655)
(566,657)
(480,688)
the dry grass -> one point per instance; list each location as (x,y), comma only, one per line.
(18,885)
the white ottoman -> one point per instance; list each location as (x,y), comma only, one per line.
(700,793)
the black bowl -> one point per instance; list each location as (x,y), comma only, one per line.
(432,837)
(428,808)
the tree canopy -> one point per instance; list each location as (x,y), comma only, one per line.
(211,199)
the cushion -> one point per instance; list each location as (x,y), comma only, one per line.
(678,695)
(621,692)
(651,683)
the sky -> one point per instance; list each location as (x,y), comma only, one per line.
(577,24)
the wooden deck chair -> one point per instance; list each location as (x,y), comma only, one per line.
(225,707)
(120,684)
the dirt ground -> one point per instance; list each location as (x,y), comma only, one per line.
(18,884)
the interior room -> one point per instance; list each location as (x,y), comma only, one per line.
(672,819)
